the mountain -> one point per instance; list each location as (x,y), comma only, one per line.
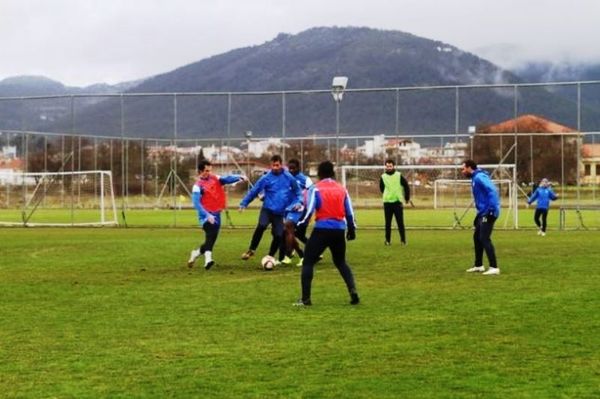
(371,58)
(40,113)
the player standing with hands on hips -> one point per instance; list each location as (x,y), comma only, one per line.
(209,199)
(543,195)
(334,213)
(487,203)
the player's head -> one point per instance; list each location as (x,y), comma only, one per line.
(293,166)
(544,182)
(468,167)
(390,165)
(325,170)
(204,168)
(276,164)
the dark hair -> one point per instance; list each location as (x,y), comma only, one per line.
(325,170)
(294,162)
(469,163)
(276,158)
(390,161)
(203,164)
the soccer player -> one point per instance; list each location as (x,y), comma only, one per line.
(487,203)
(331,203)
(209,199)
(543,194)
(278,186)
(395,190)
(292,216)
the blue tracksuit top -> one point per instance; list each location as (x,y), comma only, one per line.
(543,195)
(280,191)
(485,194)
(304,183)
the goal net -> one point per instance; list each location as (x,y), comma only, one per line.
(440,188)
(83,198)
(449,193)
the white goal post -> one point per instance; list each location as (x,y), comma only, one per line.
(82,198)
(362,182)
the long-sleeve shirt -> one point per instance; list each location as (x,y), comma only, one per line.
(200,196)
(543,196)
(280,190)
(485,194)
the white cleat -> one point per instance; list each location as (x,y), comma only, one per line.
(492,271)
(195,254)
(539,232)
(477,269)
(543,234)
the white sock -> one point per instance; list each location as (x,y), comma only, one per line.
(207,257)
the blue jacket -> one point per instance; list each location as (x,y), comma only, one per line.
(485,194)
(543,195)
(280,190)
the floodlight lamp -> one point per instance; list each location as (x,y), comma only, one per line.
(338,85)
(248,133)
(472,129)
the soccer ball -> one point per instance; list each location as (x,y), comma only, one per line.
(268,262)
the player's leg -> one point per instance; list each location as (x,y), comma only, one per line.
(536,218)
(485,238)
(337,246)
(263,223)
(315,246)
(277,234)
(388,212)
(399,216)
(212,232)
(478,264)
(544,219)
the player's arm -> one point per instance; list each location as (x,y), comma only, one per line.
(196,197)
(312,202)
(533,197)
(406,187)
(350,220)
(381,184)
(231,179)
(492,198)
(258,187)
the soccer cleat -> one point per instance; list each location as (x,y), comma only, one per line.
(286,261)
(354,299)
(248,254)
(476,269)
(543,234)
(403,243)
(539,233)
(209,264)
(300,262)
(492,271)
(193,256)
(387,244)
(303,302)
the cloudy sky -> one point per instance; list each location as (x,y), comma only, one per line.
(80,42)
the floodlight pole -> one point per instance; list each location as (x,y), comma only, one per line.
(337,132)
(338,85)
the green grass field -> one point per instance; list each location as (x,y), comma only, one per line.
(115,312)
